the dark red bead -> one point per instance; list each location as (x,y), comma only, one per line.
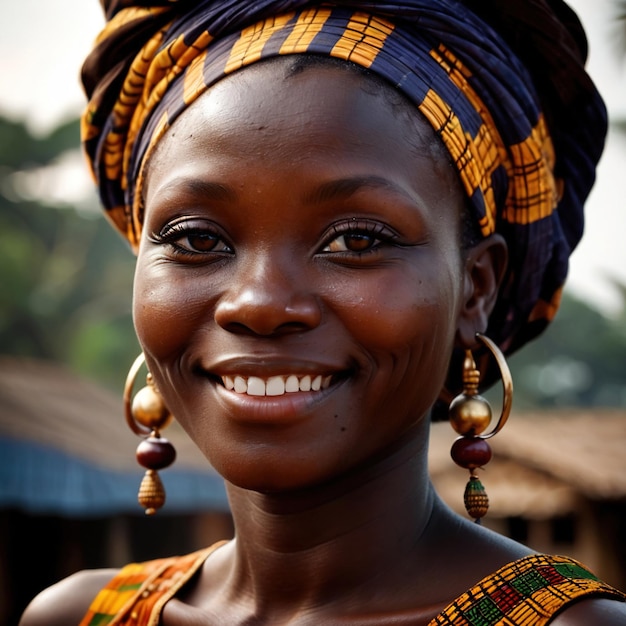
(155,453)
(470,452)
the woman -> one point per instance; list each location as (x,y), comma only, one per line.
(328,202)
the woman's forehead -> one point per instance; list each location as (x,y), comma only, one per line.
(263,148)
(268,100)
(268,113)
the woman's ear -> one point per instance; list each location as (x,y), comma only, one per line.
(485,267)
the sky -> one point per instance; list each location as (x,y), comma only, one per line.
(42,45)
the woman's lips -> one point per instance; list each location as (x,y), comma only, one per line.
(269,400)
(275,385)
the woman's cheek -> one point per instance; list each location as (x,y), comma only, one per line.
(163,312)
(396,309)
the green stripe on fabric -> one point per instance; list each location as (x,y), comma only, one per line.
(570,570)
(100,619)
(529,582)
(484,613)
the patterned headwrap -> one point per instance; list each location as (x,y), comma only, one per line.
(502,83)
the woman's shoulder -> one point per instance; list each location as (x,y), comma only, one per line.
(605,611)
(553,586)
(498,577)
(91,595)
(67,601)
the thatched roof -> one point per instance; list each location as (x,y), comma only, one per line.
(46,403)
(544,463)
(65,448)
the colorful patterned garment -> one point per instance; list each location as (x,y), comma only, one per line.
(139,592)
(512,103)
(528,592)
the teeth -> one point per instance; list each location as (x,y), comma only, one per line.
(275,385)
(292,384)
(256,386)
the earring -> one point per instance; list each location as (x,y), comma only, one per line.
(146,414)
(470,415)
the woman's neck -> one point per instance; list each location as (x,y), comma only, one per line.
(307,547)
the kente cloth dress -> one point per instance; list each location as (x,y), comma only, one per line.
(526,592)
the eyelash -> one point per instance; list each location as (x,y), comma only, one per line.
(171,234)
(380,234)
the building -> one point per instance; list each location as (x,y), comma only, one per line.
(556,482)
(69,479)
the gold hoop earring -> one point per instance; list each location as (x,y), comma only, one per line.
(146,414)
(470,415)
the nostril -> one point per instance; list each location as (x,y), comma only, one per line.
(268,314)
(238,328)
(268,331)
(296,327)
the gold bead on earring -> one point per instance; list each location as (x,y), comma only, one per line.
(146,414)
(470,415)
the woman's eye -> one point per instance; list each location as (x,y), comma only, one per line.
(358,237)
(191,238)
(201,242)
(352,242)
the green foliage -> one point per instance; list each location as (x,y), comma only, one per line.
(20,150)
(578,361)
(620,124)
(66,276)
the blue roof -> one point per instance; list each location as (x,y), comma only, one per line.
(42,480)
(65,449)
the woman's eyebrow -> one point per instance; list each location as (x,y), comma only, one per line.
(198,187)
(345,187)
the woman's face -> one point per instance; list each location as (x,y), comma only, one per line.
(299,232)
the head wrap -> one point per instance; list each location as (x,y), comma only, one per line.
(502,83)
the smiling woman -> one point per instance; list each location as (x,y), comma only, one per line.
(330,203)
(280,275)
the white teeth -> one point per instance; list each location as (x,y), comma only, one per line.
(256,386)
(292,384)
(275,385)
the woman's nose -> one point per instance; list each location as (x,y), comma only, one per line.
(267,300)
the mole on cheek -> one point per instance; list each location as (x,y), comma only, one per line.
(341,428)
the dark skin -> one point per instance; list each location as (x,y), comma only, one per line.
(311,231)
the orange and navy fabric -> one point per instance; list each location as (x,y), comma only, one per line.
(521,178)
(528,592)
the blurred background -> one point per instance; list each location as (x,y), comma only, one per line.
(68,477)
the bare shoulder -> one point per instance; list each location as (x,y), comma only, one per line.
(67,601)
(593,611)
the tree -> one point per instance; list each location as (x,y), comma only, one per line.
(66,275)
(578,361)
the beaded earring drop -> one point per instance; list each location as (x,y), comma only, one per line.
(146,415)
(470,415)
